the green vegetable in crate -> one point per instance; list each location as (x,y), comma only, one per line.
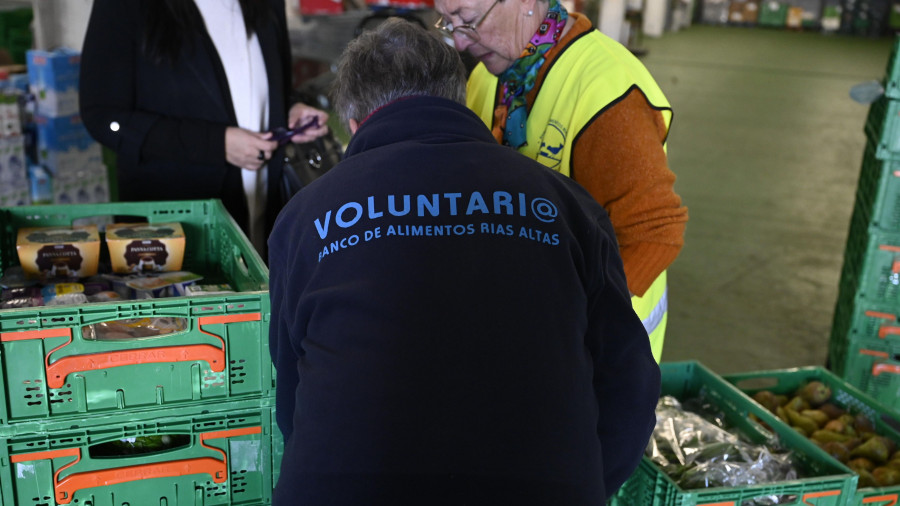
(781,412)
(698,451)
(886,476)
(837,450)
(815,393)
(861,463)
(824,436)
(831,410)
(816,415)
(768,399)
(863,425)
(848,422)
(797,403)
(866,480)
(839,426)
(876,448)
(806,425)
(725,450)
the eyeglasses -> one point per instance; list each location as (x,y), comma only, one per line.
(466,30)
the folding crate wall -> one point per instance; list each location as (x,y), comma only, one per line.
(864,347)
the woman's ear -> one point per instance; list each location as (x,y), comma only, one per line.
(353,124)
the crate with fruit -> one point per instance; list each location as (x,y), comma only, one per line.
(846,423)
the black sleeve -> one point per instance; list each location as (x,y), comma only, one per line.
(283,354)
(284,42)
(626,376)
(108,96)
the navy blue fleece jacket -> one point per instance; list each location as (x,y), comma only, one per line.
(451,325)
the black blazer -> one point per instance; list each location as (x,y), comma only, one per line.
(167,122)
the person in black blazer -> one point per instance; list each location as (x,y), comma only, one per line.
(154,90)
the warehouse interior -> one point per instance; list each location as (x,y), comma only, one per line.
(768,141)
(767,145)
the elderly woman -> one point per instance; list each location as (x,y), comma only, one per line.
(551,86)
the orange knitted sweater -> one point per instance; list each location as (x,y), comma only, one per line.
(619,159)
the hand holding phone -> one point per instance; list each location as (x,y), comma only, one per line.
(283,135)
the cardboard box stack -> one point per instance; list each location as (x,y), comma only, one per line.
(14,184)
(64,151)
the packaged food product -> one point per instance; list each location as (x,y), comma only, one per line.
(152,285)
(60,294)
(167,284)
(58,252)
(145,247)
(21,296)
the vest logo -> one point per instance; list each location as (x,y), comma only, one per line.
(552,143)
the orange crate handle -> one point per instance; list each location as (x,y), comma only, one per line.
(806,497)
(60,369)
(816,495)
(891,499)
(885,368)
(65,489)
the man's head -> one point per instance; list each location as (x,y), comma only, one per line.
(395,60)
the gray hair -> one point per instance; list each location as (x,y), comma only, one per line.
(396,59)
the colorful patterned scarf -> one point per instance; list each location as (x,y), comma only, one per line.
(516,81)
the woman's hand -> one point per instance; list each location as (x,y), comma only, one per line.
(246,149)
(300,114)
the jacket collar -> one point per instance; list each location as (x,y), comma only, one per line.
(420,118)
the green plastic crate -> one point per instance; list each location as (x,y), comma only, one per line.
(50,371)
(871,267)
(844,395)
(228,456)
(772,13)
(874,368)
(892,72)
(873,270)
(829,483)
(878,191)
(859,321)
(883,127)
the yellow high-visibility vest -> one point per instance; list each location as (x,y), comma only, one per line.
(590,75)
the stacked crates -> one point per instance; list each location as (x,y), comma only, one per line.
(14,183)
(844,396)
(184,417)
(864,347)
(823,481)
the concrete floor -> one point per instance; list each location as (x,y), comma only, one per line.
(767,146)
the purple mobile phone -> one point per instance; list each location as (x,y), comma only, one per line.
(283,135)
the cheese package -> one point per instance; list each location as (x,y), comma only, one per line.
(145,247)
(59,252)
